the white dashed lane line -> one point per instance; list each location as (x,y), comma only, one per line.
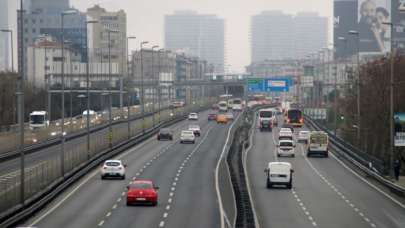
(339,193)
(177,178)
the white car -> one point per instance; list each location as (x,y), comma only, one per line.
(285,135)
(279,173)
(285,130)
(196,129)
(230,116)
(286,148)
(187,136)
(113,168)
(193,116)
(303,136)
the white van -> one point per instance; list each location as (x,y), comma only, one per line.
(318,144)
(279,173)
(223,106)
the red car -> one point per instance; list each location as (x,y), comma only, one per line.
(212,116)
(142,192)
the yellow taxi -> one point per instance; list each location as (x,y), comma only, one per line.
(222,119)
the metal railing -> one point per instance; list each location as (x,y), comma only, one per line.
(372,167)
(44,180)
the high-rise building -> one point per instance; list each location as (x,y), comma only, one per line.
(99,35)
(277,36)
(310,33)
(43,17)
(195,34)
(271,36)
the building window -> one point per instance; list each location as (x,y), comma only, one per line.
(41,21)
(34,30)
(34,21)
(26,30)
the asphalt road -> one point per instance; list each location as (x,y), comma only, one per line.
(184,173)
(324,193)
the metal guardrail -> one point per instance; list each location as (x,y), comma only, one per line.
(347,151)
(19,213)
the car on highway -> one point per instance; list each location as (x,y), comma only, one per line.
(303,136)
(193,116)
(279,173)
(165,134)
(223,106)
(284,129)
(214,107)
(318,144)
(212,116)
(187,136)
(230,116)
(222,119)
(286,147)
(289,126)
(142,192)
(285,135)
(265,125)
(195,129)
(113,168)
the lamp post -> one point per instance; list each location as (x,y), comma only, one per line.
(110,131)
(343,39)
(11,46)
(391,117)
(88,90)
(129,100)
(20,106)
(159,89)
(142,88)
(356,33)
(153,88)
(62,157)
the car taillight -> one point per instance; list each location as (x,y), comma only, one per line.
(120,168)
(301,120)
(104,167)
(288,120)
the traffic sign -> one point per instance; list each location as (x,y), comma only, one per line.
(255,85)
(278,85)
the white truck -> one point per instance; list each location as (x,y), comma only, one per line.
(223,106)
(318,144)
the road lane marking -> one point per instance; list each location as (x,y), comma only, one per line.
(162,224)
(344,198)
(101,223)
(165,215)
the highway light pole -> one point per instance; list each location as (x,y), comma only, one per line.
(153,88)
(110,130)
(20,105)
(11,46)
(159,88)
(88,90)
(391,117)
(128,94)
(62,156)
(356,33)
(142,88)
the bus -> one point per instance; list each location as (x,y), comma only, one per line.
(294,117)
(38,119)
(266,119)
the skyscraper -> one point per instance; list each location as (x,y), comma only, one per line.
(199,35)
(43,17)
(310,33)
(277,36)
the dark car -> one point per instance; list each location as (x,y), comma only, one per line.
(165,134)
(212,116)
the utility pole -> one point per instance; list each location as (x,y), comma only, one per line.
(153,88)
(128,92)
(20,105)
(142,88)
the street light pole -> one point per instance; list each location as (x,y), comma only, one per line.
(110,131)
(356,33)
(153,88)
(20,105)
(128,94)
(159,88)
(142,88)
(88,91)
(11,46)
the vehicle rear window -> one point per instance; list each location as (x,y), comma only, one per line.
(112,164)
(193,126)
(187,133)
(318,139)
(237,102)
(286,144)
(266,114)
(285,138)
(164,131)
(141,185)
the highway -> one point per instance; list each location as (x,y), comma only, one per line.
(184,173)
(324,193)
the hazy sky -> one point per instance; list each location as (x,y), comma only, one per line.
(145,18)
